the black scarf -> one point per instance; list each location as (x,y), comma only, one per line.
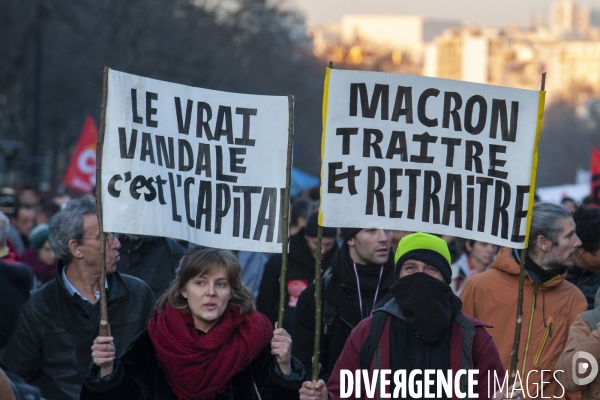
(343,269)
(536,272)
(427,303)
(422,339)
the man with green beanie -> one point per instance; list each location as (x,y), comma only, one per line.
(419,328)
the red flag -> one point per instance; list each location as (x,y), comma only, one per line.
(595,172)
(81,173)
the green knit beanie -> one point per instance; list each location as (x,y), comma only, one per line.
(38,236)
(426,248)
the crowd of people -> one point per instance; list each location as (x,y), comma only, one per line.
(188,322)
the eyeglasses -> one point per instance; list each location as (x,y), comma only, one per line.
(110,237)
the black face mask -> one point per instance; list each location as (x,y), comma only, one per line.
(428,304)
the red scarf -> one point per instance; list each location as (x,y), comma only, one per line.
(199,367)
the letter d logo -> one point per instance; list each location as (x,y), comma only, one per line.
(582,367)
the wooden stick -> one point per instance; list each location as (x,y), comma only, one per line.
(317,349)
(286,212)
(317,341)
(514,355)
(103,329)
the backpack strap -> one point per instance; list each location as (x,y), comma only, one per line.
(592,317)
(372,343)
(328,308)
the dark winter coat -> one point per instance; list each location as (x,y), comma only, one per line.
(138,376)
(587,281)
(471,347)
(300,273)
(16,282)
(51,345)
(152,259)
(342,295)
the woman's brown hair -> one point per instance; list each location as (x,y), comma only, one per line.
(205,261)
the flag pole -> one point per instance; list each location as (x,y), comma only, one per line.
(103,328)
(286,214)
(514,355)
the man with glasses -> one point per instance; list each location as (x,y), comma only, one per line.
(51,344)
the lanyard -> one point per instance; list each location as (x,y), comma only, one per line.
(360,302)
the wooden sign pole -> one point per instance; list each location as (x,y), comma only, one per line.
(514,355)
(286,214)
(103,329)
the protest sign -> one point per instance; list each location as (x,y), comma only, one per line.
(194,164)
(425,154)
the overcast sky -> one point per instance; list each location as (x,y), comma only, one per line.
(480,12)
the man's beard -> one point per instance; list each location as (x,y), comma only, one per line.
(557,264)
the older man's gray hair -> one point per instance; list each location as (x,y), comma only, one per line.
(67,225)
(3,229)
(546,221)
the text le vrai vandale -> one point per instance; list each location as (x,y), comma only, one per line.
(216,167)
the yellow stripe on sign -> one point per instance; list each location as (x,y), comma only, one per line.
(325,104)
(534,163)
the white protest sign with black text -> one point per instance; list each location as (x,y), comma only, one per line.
(425,154)
(194,164)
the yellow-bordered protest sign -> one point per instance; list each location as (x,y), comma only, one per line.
(427,154)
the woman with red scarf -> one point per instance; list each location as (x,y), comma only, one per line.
(204,341)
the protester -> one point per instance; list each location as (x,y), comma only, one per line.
(301,209)
(300,270)
(550,303)
(397,235)
(361,274)
(204,341)
(39,257)
(50,345)
(569,204)
(253,268)
(16,281)
(150,258)
(22,222)
(28,196)
(8,201)
(583,337)
(421,328)
(585,272)
(453,247)
(14,388)
(61,199)
(46,210)
(478,257)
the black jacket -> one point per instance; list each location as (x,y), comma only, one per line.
(51,345)
(587,281)
(138,376)
(152,259)
(343,301)
(16,282)
(300,273)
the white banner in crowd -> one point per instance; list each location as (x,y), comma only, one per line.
(425,154)
(194,164)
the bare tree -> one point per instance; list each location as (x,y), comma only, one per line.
(52,53)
